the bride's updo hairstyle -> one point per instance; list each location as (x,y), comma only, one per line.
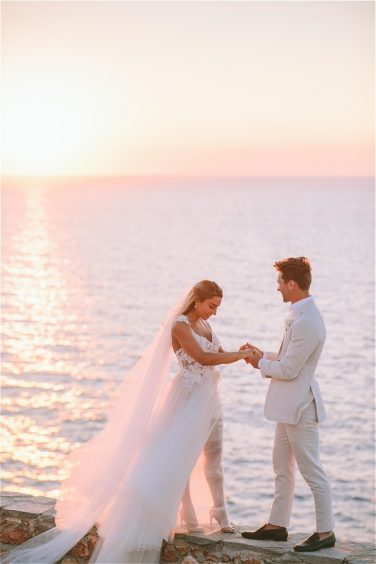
(201,291)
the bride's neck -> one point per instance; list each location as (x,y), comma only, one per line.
(193,317)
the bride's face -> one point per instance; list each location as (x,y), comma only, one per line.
(207,308)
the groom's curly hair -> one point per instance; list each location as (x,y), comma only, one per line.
(297,269)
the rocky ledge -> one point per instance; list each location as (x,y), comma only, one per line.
(24,516)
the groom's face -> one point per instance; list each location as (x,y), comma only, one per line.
(284,288)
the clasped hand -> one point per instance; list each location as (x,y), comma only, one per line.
(255,356)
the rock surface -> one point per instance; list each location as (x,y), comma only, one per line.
(24,516)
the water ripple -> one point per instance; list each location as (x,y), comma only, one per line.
(89,273)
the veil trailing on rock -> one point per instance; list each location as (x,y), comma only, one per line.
(99,470)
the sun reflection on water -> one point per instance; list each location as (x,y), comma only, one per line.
(40,344)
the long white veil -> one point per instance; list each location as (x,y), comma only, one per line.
(98,469)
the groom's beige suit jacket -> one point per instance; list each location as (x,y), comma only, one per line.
(292,370)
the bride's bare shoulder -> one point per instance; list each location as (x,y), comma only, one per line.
(179,324)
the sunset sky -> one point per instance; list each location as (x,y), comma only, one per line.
(211,88)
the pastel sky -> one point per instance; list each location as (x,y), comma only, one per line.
(206,88)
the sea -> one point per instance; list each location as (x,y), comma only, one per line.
(90,267)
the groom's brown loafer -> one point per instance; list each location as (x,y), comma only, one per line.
(313,543)
(262,533)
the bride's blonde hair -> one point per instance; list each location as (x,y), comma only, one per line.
(201,291)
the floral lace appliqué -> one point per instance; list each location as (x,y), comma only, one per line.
(192,371)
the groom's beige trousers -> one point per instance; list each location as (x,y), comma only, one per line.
(300,443)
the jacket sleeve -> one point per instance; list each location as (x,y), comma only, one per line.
(270,355)
(303,341)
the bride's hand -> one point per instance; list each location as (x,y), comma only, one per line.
(253,350)
(244,354)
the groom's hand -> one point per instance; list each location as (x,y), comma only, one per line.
(255,357)
(253,350)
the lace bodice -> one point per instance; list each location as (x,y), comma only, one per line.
(192,371)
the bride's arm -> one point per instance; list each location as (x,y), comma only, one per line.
(183,334)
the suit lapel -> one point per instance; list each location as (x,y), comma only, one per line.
(286,338)
(288,329)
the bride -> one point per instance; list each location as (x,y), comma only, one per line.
(161,448)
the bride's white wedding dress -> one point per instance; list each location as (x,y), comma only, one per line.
(131,477)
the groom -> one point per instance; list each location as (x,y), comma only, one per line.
(294,402)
